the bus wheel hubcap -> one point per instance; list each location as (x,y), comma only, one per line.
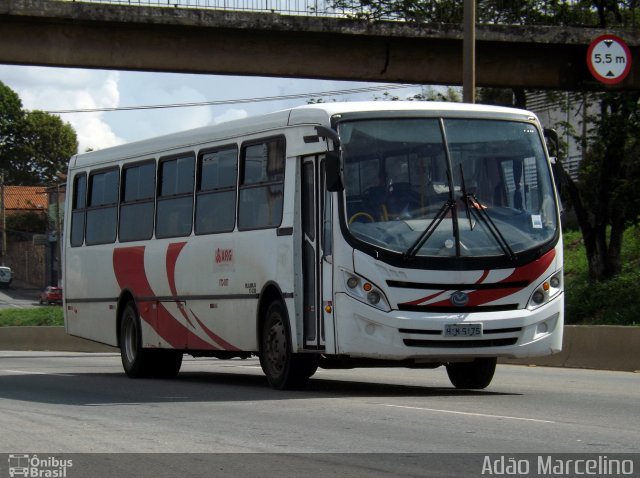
(276,346)
(131,345)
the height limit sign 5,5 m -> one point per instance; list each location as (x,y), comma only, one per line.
(609,59)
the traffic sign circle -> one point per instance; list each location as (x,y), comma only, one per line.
(609,59)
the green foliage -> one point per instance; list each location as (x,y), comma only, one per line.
(33,144)
(611,164)
(510,12)
(451,94)
(30,221)
(611,302)
(11,116)
(46,146)
(47,316)
(606,197)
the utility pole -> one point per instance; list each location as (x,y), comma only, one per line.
(469,53)
(4,218)
(60,178)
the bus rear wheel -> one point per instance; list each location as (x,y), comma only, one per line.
(474,375)
(284,369)
(139,362)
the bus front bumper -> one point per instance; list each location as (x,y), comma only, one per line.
(367,332)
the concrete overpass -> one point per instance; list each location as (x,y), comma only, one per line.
(91,35)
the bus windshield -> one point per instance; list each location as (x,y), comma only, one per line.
(431,187)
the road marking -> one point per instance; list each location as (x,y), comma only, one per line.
(25,372)
(454,412)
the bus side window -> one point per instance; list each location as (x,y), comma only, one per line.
(78,209)
(216,191)
(174,213)
(102,210)
(261,184)
(136,208)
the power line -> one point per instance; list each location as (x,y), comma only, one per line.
(368,89)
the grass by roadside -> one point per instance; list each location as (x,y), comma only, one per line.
(49,315)
(615,302)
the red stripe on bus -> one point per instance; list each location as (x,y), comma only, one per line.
(173,251)
(528,273)
(128,265)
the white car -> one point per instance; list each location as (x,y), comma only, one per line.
(6,276)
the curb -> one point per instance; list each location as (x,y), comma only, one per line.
(600,347)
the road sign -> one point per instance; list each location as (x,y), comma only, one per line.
(609,59)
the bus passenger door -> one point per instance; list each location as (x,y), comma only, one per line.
(313,329)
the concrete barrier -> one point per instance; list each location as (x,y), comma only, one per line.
(600,347)
(47,338)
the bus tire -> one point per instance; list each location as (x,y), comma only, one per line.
(284,369)
(136,361)
(166,363)
(474,375)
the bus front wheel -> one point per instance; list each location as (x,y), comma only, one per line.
(474,375)
(284,369)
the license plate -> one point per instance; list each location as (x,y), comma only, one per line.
(463,330)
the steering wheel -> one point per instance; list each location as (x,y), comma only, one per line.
(361,214)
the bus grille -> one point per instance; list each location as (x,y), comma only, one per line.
(509,330)
(454,309)
(442,344)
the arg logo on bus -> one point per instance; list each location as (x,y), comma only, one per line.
(224,259)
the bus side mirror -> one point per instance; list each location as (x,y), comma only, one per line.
(333,171)
(553,146)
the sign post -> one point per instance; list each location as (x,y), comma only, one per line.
(609,59)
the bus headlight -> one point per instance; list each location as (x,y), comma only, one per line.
(546,291)
(374,297)
(365,291)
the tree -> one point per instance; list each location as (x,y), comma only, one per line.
(428,93)
(513,12)
(33,144)
(11,117)
(593,13)
(606,197)
(46,146)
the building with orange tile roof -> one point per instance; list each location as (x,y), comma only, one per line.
(25,199)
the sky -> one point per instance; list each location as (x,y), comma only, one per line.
(54,89)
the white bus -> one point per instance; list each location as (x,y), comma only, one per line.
(335,235)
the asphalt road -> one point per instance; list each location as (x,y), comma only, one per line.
(77,403)
(18,295)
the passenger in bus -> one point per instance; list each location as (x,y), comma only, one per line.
(374,202)
(401,201)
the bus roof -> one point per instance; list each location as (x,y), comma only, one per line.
(320,114)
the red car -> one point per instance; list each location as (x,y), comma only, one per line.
(51,295)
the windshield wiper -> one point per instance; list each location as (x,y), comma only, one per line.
(430,229)
(480,211)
